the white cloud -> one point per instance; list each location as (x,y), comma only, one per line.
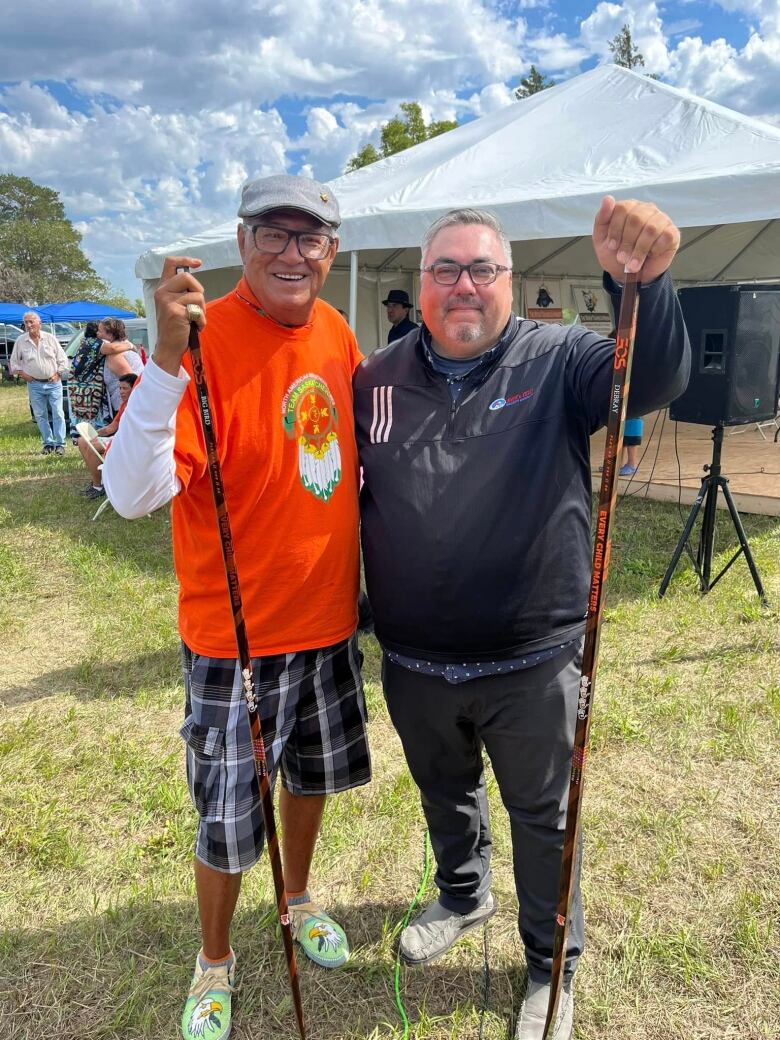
(321,123)
(747,79)
(187,57)
(765,12)
(492,97)
(132,178)
(558,53)
(685,25)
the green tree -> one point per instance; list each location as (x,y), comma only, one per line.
(532,84)
(403,131)
(623,50)
(116,298)
(139,307)
(367,155)
(23,199)
(39,243)
(15,286)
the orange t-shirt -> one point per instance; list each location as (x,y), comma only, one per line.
(281,401)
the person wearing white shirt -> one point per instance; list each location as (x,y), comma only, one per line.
(40,361)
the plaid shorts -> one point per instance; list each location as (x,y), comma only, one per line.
(313,715)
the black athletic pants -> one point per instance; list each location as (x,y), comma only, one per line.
(525,720)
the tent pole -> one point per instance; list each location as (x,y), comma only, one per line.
(378,309)
(353,278)
(149,288)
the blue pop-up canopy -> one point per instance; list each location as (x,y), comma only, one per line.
(81,310)
(14,312)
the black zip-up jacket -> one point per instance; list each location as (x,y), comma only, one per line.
(403,328)
(476,514)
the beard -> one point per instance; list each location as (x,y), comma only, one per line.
(466,331)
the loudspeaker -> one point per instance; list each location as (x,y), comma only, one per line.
(735,354)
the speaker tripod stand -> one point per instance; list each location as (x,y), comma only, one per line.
(708,497)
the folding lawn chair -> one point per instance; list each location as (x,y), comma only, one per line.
(90,435)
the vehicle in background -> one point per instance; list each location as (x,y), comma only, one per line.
(8,336)
(63,330)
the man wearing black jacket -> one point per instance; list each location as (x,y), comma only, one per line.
(474,440)
(398,306)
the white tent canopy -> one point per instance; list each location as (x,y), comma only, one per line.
(542,166)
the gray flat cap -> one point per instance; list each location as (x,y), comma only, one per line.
(285,192)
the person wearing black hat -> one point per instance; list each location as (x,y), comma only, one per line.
(279,363)
(398,306)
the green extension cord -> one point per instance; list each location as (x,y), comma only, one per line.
(412,907)
(426,876)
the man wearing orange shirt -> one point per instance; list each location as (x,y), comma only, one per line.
(279,366)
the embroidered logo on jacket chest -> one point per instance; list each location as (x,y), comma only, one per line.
(309,415)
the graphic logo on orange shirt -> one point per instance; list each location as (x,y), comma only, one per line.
(309,414)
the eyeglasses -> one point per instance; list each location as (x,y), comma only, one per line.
(447,272)
(312,245)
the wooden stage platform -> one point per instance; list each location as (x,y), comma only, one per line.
(750,461)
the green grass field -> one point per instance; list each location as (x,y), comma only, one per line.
(98,928)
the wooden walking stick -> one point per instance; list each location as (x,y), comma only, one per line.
(621,375)
(245,661)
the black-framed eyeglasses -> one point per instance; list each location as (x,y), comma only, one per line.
(312,245)
(447,272)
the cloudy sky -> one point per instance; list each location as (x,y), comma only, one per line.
(148,116)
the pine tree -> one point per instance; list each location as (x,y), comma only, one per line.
(532,84)
(623,50)
(403,131)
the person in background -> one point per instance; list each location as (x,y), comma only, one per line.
(121,356)
(40,361)
(89,401)
(632,439)
(398,306)
(94,488)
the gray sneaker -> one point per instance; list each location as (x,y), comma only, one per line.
(437,928)
(533,1014)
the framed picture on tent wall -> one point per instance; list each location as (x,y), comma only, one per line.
(543,299)
(593,307)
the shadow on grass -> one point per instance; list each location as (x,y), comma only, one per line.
(124,974)
(732,652)
(95,678)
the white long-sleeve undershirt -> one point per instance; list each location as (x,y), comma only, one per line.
(139,473)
